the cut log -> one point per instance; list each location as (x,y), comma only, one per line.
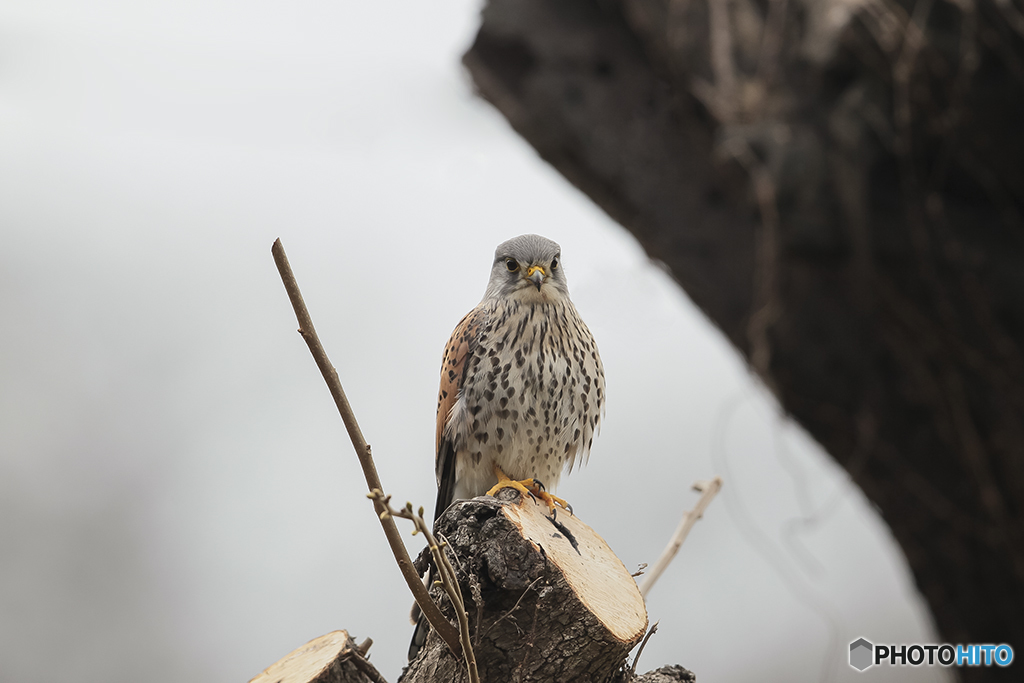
(333,658)
(547,598)
(596,576)
(547,601)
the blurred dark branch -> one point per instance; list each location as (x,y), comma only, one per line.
(839,186)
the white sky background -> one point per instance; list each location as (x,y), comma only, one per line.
(178,498)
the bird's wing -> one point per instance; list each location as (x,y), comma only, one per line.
(453,372)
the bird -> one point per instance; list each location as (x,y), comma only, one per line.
(522,389)
(522,383)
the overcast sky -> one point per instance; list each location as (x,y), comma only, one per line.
(178,498)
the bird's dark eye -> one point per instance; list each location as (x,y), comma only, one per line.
(554,263)
(512,265)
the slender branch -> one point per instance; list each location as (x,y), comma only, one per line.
(445,570)
(708,490)
(508,614)
(451,587)
(358,658)
(433,615)
(643,644)
(722,63)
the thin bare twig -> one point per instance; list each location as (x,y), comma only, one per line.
(643,644)
(708,490)
(358,658)
(444,569)
(444,628)
(515,606)
(478,598)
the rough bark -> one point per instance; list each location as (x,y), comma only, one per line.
(839,186)
(666,674)
(547,601)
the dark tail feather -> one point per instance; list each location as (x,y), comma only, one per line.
(419,636)
(445,494)
(445,478)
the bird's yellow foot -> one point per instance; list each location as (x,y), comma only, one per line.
(528,487)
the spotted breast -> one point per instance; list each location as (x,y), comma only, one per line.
(522,384)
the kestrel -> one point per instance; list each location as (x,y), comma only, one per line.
(522,385)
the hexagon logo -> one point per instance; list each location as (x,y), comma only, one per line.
(861,654)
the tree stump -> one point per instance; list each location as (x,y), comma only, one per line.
(547,598)
(333,658)
(547,601)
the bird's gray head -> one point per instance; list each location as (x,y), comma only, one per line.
(528,268)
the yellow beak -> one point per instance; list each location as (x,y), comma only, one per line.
(535,274)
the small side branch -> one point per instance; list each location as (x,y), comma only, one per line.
(444,569)
(444,628)
(708,491)
(643,644)
(358,658)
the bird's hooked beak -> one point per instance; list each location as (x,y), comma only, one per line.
(535,274)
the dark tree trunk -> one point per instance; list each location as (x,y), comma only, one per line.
(547,600)
(841,190)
